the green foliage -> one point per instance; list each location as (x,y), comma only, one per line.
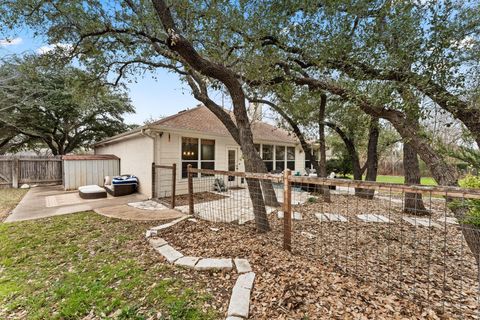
(342,165)
(59,107)
(472,206)
(85,265)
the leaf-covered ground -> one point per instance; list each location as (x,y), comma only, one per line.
(9,198)
(86,266)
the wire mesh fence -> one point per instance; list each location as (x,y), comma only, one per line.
(164,184)
(422,243)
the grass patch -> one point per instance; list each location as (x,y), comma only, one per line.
(80,265)
(9,198)
(427,181)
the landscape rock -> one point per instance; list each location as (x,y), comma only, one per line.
(169,253)
(188,262)
(213,263)
(242,265)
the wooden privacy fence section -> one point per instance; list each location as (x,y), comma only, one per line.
(15,171)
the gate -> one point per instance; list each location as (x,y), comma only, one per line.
(164,184)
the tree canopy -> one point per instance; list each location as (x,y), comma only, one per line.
(62,108)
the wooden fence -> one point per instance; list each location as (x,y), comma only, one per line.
(15,171)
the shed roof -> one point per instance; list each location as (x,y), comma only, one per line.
(69,157)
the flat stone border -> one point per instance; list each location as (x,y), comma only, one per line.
(239,305)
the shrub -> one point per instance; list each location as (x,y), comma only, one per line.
(473,206)
(342,166)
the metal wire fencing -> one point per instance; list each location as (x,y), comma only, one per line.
(420,243)
(164,184)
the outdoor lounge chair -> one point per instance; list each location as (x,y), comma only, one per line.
(121,185)
(219,185)
(92,192)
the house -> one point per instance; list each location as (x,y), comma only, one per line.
(197,137)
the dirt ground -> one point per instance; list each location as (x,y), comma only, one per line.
(351,270)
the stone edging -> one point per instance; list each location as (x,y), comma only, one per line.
(239,305)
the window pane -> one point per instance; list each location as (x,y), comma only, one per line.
(280,153)
(189,148)
(267,152)
(184,168)
(291,165)
(290,153)
(307,164)
(208,149)
(257,147)
(207,165)
(269,165)
(279,165)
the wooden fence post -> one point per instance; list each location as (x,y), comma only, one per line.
(287,211)
(153,181)
(190,189)
(15,172)
(174,183)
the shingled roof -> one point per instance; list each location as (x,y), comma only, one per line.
(201,119)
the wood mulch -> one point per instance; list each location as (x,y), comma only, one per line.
(345,270)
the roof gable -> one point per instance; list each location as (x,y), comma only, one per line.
(201,119)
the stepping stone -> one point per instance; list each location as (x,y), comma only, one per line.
(246,280)
(242,265)
(188,262)
(330,217)
(235,318)
(373,218)
(239,302)
(150,233)
(296,215)
(157,242)
(449,220)
(421,222)
(217,264)
(169,253)
(308,235)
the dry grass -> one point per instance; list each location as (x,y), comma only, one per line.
(9,198)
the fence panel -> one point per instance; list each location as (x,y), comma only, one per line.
(164,184)
(15,171)
(415,242)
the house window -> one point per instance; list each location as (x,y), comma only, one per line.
(291,158)
(267,155)
(279,158)
(200,153)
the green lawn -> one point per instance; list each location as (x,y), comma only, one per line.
(400,179)
(89,266)
(9,198)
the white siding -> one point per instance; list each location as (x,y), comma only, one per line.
(86,172)
(136,157)
(168,151)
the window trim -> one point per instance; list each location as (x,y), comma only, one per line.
(199,161)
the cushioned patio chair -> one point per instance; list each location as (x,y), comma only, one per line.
(92,192)
(121,185)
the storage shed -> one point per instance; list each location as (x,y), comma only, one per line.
(81,170)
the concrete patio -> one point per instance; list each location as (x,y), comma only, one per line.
(48,201)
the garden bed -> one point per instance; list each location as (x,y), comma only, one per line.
(346,271)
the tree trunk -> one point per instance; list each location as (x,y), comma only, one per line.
(372,157)
(242,131)
(322,164)
(413,202)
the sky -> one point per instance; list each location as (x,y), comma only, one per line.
(152,98)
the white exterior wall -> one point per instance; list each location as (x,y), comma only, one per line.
(136,157)
(169,146)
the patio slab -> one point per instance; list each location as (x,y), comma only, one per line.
(34,203)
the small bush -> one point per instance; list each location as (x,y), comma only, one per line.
(312,200)
(473,206)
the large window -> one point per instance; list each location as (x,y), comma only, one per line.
(279,158)
(200,153)
(267,156)
(291,158)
